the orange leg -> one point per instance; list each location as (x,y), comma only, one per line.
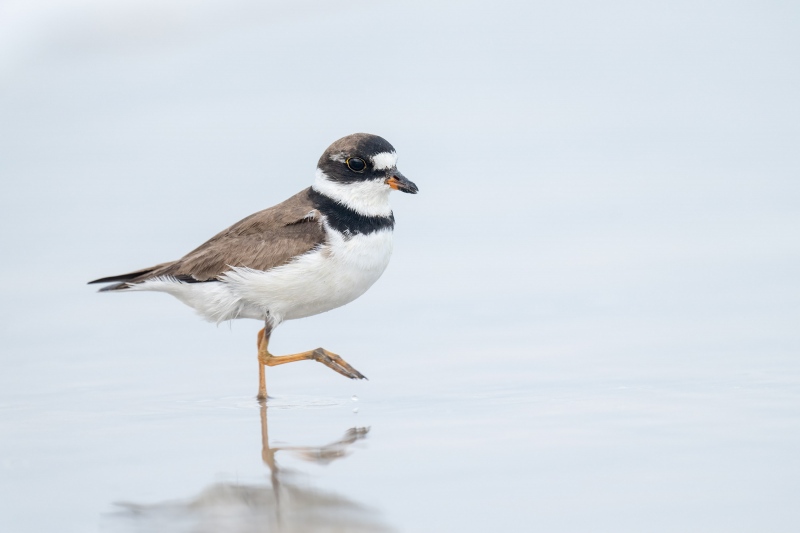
(321,355)
(263,340)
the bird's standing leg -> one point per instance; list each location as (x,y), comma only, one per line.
(329,359)
(262,343)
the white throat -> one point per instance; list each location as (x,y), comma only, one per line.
(369,198)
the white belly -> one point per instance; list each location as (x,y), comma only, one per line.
(316,282)
(327,278)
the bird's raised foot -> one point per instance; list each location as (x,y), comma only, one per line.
(334,362)
(321,355)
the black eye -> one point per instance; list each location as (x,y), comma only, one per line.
(356,164)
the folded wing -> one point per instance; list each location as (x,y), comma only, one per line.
(262,241)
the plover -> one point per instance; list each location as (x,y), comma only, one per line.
(318,250)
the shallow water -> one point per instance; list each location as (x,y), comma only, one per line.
(590,322)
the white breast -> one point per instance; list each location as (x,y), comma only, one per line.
(324,279)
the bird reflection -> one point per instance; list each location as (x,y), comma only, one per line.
(284,505)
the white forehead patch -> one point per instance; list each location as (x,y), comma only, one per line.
(384,160)
(338,157)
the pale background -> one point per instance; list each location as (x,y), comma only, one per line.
(590,323)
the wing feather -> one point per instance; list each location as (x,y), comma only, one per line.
(262,241)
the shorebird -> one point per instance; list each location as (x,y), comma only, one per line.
(316,251)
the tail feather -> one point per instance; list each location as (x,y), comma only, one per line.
(123,281)
(114,287)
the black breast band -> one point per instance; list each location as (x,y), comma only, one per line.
(346,220)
